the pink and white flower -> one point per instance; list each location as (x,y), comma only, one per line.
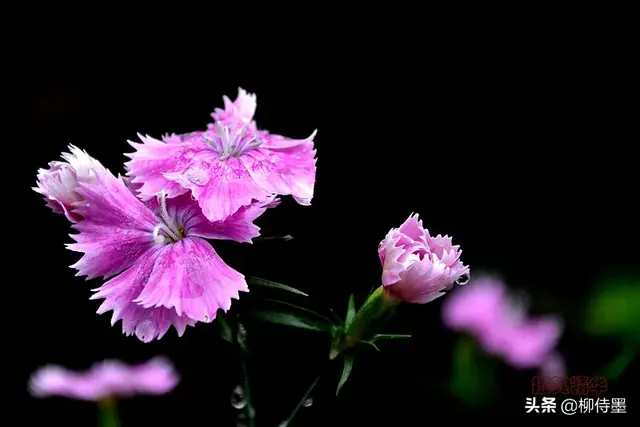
(227,166)
(500,325)
(58,183)
(105,380)
(166,273)
(417,267)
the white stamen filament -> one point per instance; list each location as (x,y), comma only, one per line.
(231,141)
(169,227)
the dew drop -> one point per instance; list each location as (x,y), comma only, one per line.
(237,398)
(463,280)
(197,175)
(308,402)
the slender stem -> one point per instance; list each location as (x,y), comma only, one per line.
(248,408)
(286,422)
(108,409)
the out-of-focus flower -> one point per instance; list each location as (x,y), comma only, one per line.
(417,267)
(58,184)
(167,274)
(105,380)
(500,325)
(226,166)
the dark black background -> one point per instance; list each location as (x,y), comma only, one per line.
(513,138)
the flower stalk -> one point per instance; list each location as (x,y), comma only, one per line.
(108,409)
(374,313)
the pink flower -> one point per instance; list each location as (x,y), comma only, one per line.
(58,183)
(500,325)
(105,380)
(226,166)
(416,267)
(165,272)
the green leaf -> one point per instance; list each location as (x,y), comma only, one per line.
(618,365)
(269,284)
(225,329)
(351,309)
(346,371)
(297,307)
(294,320)
(388,337)
(371,343)
(473,375)
(614,309)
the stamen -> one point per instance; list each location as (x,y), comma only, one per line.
(169,226)
(157,237)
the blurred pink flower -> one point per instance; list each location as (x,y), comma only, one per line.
(417,267)
(500,325)
(58,184)
(227,166)
(105,380)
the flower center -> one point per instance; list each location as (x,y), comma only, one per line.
(167,231)
(232,141)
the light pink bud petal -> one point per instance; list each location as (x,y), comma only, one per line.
(417,268)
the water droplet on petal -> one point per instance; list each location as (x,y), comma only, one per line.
(308,402)
(237,398)
(463,280)
(197,175)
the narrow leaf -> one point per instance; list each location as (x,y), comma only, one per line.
(269,284)
(293,320)
(473,376)
(297,307)
(346,371)
(225,329)
(351,309)
(371,343)
(389,337)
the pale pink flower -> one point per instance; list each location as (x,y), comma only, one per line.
(227,166)
(166,273)
(58,183)
(417,267)
(105,380)
(500,325)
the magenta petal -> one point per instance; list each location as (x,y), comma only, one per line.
(287,171)
(530,343)
(225,187)
(238,227)
(157,376)
(145,323)
(478,307)
(191,278)
(151,160)
(116,230)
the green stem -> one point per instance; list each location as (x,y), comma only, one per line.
(373,314)
(286,422)
(108,409)
(248,409)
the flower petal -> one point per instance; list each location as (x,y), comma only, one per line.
(243,108)
(290,170)
(146,324)
(190,277)
(117,228)
(152,159)
(239,226)
(220,187)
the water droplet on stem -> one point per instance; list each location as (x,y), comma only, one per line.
(308,402)
(238,400)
